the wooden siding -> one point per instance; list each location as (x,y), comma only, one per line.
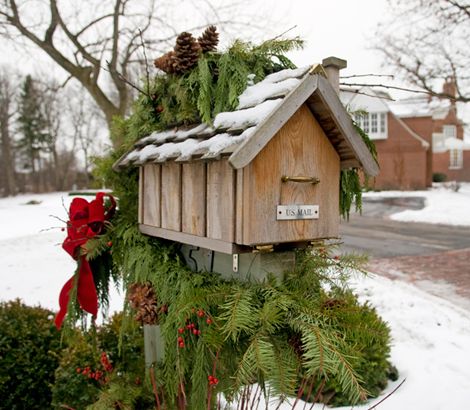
(171,196)
(193,212)
(151,214)
(220,201)
(299,148)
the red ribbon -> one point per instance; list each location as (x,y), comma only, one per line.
(86,220)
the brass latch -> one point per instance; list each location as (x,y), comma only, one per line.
(300,178)
(263,249)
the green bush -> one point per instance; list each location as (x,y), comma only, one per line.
(369,339)
(439,177)
(125,380)
(29,351)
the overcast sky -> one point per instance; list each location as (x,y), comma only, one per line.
(341,28)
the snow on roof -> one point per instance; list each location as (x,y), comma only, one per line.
(262,110)
(229,130)
(420,107)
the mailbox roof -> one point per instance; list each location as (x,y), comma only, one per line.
(262,111)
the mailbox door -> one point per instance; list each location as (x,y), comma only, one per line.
(299,149)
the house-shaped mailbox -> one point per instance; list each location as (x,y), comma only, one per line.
(265,174)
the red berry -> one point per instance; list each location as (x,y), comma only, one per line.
(195,332)
(209,321)
(210,377)
(110,244)
(216,380)
(180,330)
(181,344)
(199,332)
(180,339)
(79,370)
(200,313)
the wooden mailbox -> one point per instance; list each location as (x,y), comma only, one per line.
(265,174)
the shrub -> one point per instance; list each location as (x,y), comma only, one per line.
(439,177)
(369,339)
(29,346)
(75,387)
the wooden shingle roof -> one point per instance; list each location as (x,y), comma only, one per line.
(262,111)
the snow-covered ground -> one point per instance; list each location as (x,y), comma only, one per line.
(431,337)
(442,205)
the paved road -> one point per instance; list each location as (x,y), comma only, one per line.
(379,237)
(435,258)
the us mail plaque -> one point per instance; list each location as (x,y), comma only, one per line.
(289,212)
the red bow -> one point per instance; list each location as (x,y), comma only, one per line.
(86,220)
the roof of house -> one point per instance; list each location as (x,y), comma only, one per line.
(373,100)
(262,111)
(421,106)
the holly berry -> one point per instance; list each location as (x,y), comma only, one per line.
(213,381)
(110,244)
(181,330)
(196,332)
(200,313)
(79,370)
(180,339)
(181,344)
(209,321)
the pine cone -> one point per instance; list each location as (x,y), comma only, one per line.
(166,62)
(209,39)
(187,52)
(143,299)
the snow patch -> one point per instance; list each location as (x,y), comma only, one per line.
(443,205)
(249,117)
(262,91)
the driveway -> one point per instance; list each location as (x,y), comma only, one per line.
(436,258)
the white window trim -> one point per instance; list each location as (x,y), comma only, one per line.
(458,163)
(448,127)
(378,135)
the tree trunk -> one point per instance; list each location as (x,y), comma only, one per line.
(8,167)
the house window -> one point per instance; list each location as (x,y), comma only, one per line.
(365,123)
(374,124)
(450,131)
(383,123)
(438,142)
(456,159)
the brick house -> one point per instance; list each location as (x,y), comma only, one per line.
(415,137)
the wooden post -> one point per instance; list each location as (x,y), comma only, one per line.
(332,65)
(153,345)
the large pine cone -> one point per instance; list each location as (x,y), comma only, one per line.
(166,63)
(143,299)
(209,39)
(187,52)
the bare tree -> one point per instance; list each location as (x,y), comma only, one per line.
(427,42)
(86,124)
(98,42)
(6,114)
